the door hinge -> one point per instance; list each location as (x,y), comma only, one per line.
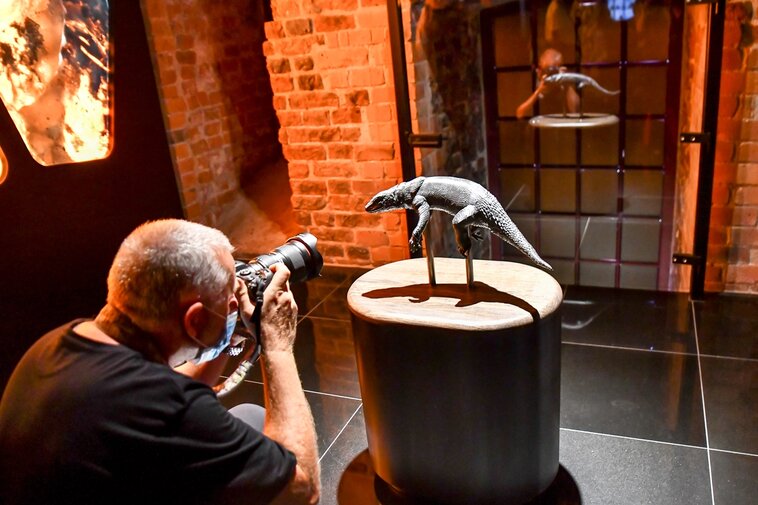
(425,139)
(695,137)
(686,259)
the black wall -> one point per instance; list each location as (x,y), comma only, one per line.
(60,226)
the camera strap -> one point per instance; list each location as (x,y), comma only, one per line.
(256,320)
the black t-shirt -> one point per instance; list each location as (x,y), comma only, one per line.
(87,423)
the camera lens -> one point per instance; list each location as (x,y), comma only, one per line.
(300,256)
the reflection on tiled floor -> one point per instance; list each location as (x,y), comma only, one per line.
(643,375)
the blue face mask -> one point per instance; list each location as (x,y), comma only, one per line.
(212,352)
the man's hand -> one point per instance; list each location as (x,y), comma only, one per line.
(279,313)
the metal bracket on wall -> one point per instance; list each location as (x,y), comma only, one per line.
(432,140)
(686,259)
(695,138)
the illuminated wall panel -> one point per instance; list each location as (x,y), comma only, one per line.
(54,76)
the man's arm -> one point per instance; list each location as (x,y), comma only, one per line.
(207,373)
(288,416)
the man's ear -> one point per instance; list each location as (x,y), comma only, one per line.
(195,319)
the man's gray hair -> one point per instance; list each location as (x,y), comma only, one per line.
(161,260)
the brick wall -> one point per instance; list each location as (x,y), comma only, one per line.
(331,75)
(216,100)
(733,238)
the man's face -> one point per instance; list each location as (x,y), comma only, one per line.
(223,305)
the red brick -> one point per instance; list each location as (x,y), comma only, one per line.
(358,253)
(304,63)
(331,251)
(334,169)
(298,170)
(745,216)
(359,221)
(339,187)
(333,23)
(313,99)
(334,5)
(372,17)
(278,66)
(744,273)
(340,151)
(310,82)
(285,8)
(358,98)
(328,234)
(375,152)
(359,38)
(289,118)
(308,202)
(281,84)
(370,76)
(273,29)
(371,238)
(341,58)
(303,218)
(304,152)
(746,195)
(315,118)
(297,27)
(748,152)
(747,174)
(351,134)
(308,187)
(346,115)
(323,218)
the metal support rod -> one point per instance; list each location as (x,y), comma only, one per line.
(469,271)
(429,258)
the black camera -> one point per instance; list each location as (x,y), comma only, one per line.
(299,254)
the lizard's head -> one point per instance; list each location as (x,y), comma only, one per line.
(384,201)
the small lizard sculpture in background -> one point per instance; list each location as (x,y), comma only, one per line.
(470,204)
(578,80)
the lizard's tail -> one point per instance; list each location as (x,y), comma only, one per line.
(597,86)
(510,233)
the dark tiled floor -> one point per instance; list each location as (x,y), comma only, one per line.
(634,409)
(659,395)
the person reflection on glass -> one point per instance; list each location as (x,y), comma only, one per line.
(119,409)
(550,63)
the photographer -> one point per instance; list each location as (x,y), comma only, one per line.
(97,411)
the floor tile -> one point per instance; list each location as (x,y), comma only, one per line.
(310,294)
(731,403)
(330,413)
(346,448)
(727,325)
(348,477)
(627,318)
(611,470)
(735,478)
(640,394)
(325,357)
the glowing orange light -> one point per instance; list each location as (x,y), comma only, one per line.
(54,75)
(3,167)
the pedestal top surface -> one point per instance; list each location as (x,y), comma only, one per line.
(504,295)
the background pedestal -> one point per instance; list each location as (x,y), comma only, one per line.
(461,387)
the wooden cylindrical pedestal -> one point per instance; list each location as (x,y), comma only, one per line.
(461,386)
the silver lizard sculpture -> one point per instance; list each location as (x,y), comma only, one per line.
(470,204)
(579,80)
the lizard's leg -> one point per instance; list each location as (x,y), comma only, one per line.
(461,222)
(422,207)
